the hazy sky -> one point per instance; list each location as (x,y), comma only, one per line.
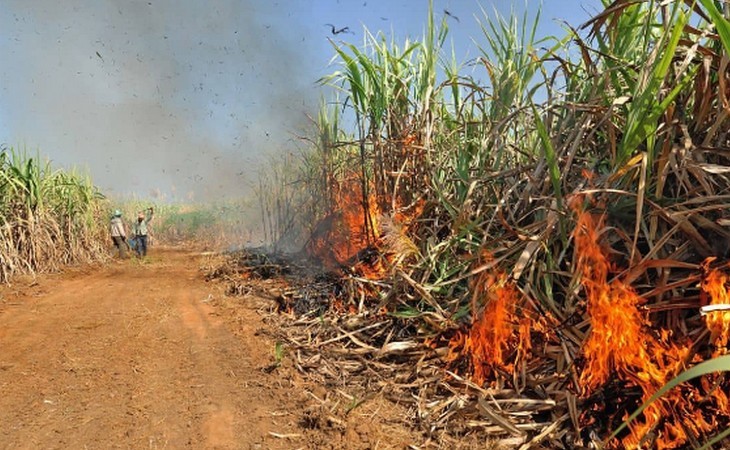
(187,97)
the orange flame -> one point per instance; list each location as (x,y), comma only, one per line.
(718,322)
(490,333)
(353,225)
(500,334)
(714,284)
(618,341)
(620,345)
(357,236)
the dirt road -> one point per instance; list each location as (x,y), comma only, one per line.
(138,355)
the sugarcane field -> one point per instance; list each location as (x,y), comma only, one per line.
(384,224)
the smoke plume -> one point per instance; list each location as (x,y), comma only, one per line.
(181,98)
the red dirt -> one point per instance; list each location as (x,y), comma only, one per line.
(149,355)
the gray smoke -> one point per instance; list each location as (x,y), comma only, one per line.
(181,97)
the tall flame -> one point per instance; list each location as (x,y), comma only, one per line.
(715,285)
(501,329)
(490,333)
(718,322)
(352,226)
(618,340)
(620,346)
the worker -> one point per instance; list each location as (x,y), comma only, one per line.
(119,236)
(141,231)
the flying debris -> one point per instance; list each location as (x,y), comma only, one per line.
(335,30)
(446,11)
(99,55)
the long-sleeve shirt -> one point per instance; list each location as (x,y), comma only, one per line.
(140,227)
(117,227)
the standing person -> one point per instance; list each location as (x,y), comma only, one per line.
(119,236)
(140,231)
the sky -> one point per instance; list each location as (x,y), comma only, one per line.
(189,99)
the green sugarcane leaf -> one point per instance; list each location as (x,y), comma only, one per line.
(715,440)
(644,112)
(550,155)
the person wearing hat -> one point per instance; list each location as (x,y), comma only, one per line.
(119,236)
(140,231)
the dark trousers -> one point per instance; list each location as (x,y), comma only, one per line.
(141,245)
(121,244)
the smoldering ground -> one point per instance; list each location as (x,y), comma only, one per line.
(183,97)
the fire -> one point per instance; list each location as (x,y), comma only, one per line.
(359,237)
(490,334)
(501,328)
(623,351)
(718,322)
(618,340)
(621,346)
(715,285)
(350,229)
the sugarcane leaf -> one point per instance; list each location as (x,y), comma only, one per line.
(719,438)
(644,111)
(550,155)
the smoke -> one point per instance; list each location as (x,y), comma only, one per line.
(178,98)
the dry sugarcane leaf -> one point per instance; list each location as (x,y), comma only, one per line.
(424,293)
(344,336)
(719,121)
(572,402)
(707,224)
(660,290)
(496,418)
(706,200)
(525,257)
(638,269)
(639,203)
(544,433)
(683,220)
(285,435)
(702,92)
(399,347)
(714,168)
(532,247)
(614,8)
(356,341)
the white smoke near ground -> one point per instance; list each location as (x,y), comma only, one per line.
(181,99)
